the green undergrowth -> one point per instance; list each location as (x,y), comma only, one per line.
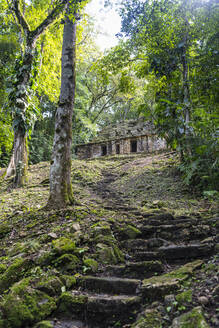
(43,252)
(149,181)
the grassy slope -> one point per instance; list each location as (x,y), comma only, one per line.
(28,231)
(142,180)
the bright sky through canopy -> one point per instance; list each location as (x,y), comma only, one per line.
(107,21)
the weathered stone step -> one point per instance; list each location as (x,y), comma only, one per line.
(145,256)
(172,253)
(144,269)
(158,217)
(97,310)
(67,323)
(180,222)
(109,311)
(175,252)
(110,285)
(157,287)
(147,229)
(115,207)
(144,244)
(175,232)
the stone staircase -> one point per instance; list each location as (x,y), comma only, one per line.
(161,251)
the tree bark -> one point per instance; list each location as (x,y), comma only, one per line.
(19,159)
(60,171)
(186,98)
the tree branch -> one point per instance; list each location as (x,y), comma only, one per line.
(48,20)
(20,17)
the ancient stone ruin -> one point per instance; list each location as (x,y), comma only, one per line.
(123,138)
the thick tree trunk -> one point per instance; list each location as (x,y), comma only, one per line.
(60,171)
(19,102)
(19,160)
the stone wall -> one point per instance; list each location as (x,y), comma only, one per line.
(140,144)
(123,138)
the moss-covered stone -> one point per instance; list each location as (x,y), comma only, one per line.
(68,281)
(5,228)
(151,319)
(144,268)
(44,258)
(192,319)
(24,305)
(27,247)
(71,305)
(184,297)
(67,262)
(14,273)
(109,255)
(159,286)
(51,286)
(44,324)
(63,245)
(108,240)
(2,268)
(130,232)
(91,265)
(101,228)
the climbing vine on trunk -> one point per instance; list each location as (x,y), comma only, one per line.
(22,117)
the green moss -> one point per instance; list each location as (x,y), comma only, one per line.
(4,324)
(68,281)
(16,248)
(4,229)
(28,247)
(100,228)
(45,258)
(184,297)
(67,262)
(63,245)
(108,240)
(188,268)
(91,265)
(24,305)
(131,232)
(151,319)
(51,286)
(2,268)
(71,305)
(157,287)
(109,255)
(44,324)
(192,319)
(14,273)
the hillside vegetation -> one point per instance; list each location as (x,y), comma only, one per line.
(133,222)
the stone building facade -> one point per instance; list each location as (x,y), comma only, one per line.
(123,138)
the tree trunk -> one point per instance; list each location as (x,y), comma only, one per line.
(186,104)
(186,98)
(60,171)
(19,102)
(19,159)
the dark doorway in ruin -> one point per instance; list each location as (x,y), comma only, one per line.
(117,149)
(133,146)
(103,150)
